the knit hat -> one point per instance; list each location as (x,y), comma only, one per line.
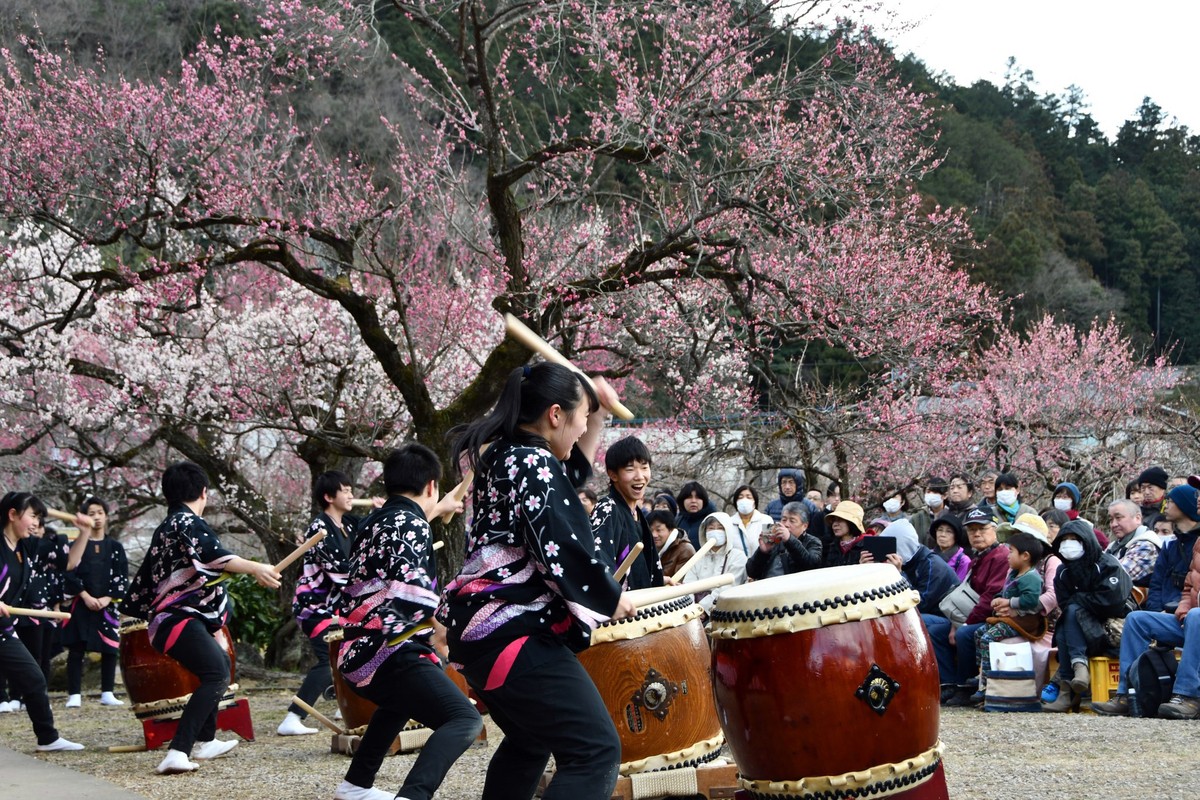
(1184,497)
(1155,476)
(849,511)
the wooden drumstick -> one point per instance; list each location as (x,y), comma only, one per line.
(694,560)
(438,545)
(319,717)
(458,493)
(363,501)
(627,564)
(127,748)
(309,544)
(65,517)
(660,594)
(521,332)
(45,613)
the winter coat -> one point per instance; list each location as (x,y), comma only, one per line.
(1171,570)
(719,561)
(988,571)
(676,552)
(1191,585)
(775,507)
(929,575)
(796,554)
(746,539)
(1138,553)
(1095,583)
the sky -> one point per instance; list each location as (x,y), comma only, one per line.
(1116,53)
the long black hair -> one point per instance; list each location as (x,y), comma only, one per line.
(527,393)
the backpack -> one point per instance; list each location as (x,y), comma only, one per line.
(1151,677)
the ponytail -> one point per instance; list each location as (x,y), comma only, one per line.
(527,393)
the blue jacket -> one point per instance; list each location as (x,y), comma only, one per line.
(1170,571)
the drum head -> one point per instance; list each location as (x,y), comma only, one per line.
(812,599)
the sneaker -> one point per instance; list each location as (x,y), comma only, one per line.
(175,762)
(74,701)
(207,751)
(110,699)
(58,745)
(348,791)
(1050,692)
(292,725)
(1118,706)
(1180,707)
(1081,677)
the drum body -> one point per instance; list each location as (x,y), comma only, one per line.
(826,673)
(158,685)
(652,672)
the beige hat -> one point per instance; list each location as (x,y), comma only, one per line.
(850,511)
(1032,524)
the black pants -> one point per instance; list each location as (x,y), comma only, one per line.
(108,670)
(548,705)
(318,679)
(27,684)
(39,641)
(411,686)
(189,642)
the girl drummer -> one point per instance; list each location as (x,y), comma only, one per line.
(20,558)
(95,587)
(532,587)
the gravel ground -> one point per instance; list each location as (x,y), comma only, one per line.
(988,756)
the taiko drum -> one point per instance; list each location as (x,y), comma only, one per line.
(155,680)
(652,672)
(826,681)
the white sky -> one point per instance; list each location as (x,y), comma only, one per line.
(1117,53)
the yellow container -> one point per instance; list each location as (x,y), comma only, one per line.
(1106,676)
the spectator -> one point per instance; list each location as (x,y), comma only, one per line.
(845,526)
(1133,544)
(787,547)
(1180,628)
(694,507)
(748,521)
(1133,491)
(1162,526)
(1016,611)
(664,501)
(894,507)
(929,575)
(1153,483)
(589,499)
(722,559)
(987,486)
(952,544)
(935,503)
(791,489)
(1008,503)
(1066,498)
(876,526)
(960,498)
(1055,519)
(674,549)
(814,496)
(1091,587)
(989,566)
(833,496)
(1174,557)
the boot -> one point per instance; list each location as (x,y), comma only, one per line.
(1081,677)
(1180,707)
(1067,700)
(1118,706)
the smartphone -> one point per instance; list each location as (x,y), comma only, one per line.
(880,547)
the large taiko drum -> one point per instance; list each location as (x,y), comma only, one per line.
(158,685)
(652,672)
(828,686)
(356,709)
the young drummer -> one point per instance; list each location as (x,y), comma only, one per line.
(532,587)
(618,521)
(178,589)
(95,586)
(323,576)
(386,609)
(21,557)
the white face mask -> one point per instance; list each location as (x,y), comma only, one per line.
(891,505)
(933,500)
(1062,503)
(1006,497)
(718,537)
(1071,549)
(745,506)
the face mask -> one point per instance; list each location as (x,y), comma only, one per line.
(745,506)
(891,505)
(933,500)
(1071,550)
(1062,503)
(1006,497)
(717,536)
